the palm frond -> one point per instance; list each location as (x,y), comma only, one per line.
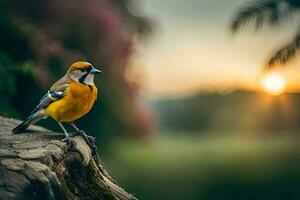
(262,12)
(286,53)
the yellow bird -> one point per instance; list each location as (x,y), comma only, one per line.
(70,98)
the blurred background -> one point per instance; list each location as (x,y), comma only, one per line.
(199,99)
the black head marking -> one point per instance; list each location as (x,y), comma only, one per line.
(83,77)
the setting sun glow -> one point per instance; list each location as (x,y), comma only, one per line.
(273,84)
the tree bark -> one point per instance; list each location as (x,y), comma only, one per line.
(37,165)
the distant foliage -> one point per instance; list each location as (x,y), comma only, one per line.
(236,112)
(271,12)
(40,39)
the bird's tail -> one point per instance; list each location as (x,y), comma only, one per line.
(32,119)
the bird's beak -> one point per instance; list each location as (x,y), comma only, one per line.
(95,71)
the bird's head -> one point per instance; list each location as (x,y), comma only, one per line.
(83,72)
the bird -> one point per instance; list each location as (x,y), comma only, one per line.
(67,100)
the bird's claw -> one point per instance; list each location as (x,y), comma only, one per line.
(82,133)
(90,140)
(92,146)
(69,141)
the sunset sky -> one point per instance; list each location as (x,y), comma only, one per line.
(193,49)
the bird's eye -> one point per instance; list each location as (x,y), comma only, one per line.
(82,70)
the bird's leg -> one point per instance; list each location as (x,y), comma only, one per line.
(89,139)
(67,138)
(82,133)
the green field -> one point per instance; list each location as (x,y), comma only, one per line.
(208,167)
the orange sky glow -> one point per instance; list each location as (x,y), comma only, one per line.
(192,49)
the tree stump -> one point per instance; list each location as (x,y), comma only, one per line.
(37,165)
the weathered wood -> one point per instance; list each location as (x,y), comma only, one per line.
(37,165)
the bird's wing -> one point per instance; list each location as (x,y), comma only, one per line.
(56,92)
(60,83)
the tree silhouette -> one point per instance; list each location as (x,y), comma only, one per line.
(270,12)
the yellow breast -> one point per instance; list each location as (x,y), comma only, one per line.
(78,100)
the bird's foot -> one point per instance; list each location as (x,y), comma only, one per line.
(91,141)
(69,141)
(83,134)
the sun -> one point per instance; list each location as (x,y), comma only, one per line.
(273,84)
